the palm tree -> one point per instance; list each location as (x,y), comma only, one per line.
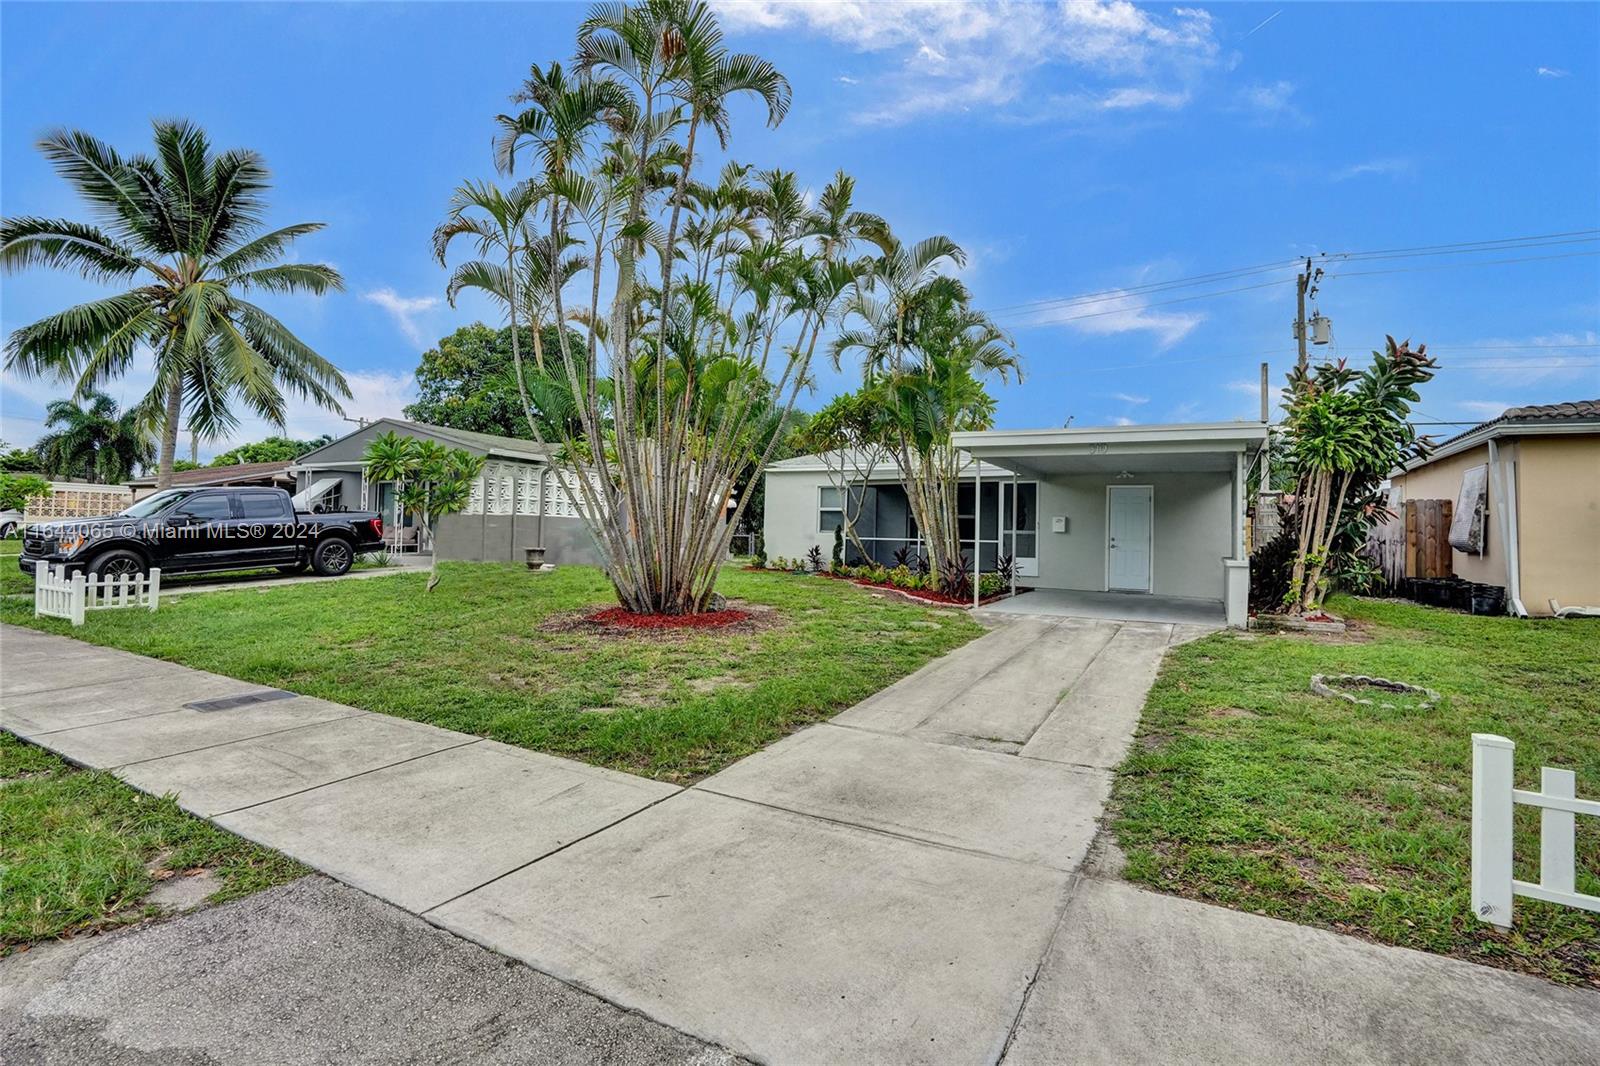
(515,266)
(924,354)
(185,224)
(90,439)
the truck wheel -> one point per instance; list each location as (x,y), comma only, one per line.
(116,563)
(332,557)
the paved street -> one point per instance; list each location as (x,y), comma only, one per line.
(901,884)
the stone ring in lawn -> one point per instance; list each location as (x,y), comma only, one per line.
(1330,685)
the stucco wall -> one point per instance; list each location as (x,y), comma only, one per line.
(790,527)
(1193,529)
(501,538)
(1442,481)
(1558,507)
(1193,532)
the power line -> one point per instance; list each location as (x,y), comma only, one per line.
(1455,266)
(1465,247)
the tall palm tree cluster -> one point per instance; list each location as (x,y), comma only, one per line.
(690,309)
(180,234)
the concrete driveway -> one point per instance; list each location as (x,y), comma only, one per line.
(887,887)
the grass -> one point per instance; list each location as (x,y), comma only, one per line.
(1245,789)
(474,656)
(81,851)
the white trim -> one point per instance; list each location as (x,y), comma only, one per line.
(1242,434)
(1150,570)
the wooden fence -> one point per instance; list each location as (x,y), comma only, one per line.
(1416,544)
(58,596)
(1494,797)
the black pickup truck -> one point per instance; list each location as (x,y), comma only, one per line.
(188,530)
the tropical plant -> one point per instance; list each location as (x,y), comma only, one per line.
(1346,431)
(17,489)
(1006,567)
(814,559)
(185,224)
(433,481)
(837,559)
(925,352)
(91,440)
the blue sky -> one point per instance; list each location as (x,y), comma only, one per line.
(1071,150)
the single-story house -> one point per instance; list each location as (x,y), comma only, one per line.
(274,475)
(517,502)
(1139,511)
(1525,492)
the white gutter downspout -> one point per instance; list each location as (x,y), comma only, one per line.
(1505,485)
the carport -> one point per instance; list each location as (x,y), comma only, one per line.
(1134,522)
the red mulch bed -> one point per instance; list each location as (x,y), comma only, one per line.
(622,618)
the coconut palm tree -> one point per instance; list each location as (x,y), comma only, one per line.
(88,438)
(182,229)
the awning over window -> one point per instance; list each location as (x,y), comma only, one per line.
(306,498)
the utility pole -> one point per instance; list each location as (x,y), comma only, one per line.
(1304,281)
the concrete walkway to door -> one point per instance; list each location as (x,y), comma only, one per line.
(894,886)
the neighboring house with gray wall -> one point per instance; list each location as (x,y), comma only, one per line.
(517,501)
(1146,510)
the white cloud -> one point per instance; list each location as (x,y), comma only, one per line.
(404,310)
(1551,72)
(1129,99)
(1270,103)
(1123,421)
(971,56)
(1485,409)
(1129,398)
(845,79)
(1120,313)
(1375,167)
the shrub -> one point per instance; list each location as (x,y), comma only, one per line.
(761,550)
(992,585)
(956,580)
(880,574)
(1271,570)
(902,557)
(838,549)
(814,559)
(1357,574)
(1006,569)
(901,577)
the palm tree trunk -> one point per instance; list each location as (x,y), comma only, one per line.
(169,432)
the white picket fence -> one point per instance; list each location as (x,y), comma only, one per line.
(1494,796)
(58,596)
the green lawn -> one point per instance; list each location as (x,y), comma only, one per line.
(79,850)
(1247,790)
(473,656)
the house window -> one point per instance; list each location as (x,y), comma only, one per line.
(830,512)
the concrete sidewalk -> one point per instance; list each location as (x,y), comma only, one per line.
(889,886)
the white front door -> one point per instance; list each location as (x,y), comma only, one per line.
(1128,524)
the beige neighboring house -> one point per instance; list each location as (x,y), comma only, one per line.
(1538,533)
